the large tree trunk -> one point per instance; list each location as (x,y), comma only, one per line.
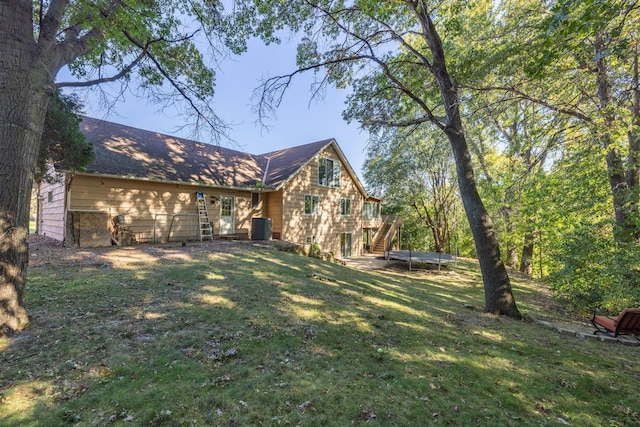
(25,85)
(497,286)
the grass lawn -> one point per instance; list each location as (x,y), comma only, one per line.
(256,337)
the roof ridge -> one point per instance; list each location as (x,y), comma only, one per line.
(179,138)
(322,142)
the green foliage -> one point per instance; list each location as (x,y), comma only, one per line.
(414,169)
(598,274)
(526,73)
(156,49)
(62,141)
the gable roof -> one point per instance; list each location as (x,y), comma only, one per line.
(284,164)
(124,151)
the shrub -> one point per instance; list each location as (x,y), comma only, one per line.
(597,274)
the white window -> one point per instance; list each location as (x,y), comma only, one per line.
(309,240)
(371,210)
(50,196)
(311,204)
(345,206)
(255,200)
(328,172)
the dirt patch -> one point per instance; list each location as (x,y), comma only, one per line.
(44,251)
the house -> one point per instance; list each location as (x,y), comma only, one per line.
(148,187)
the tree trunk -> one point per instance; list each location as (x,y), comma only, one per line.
(633,137)
(512,256)
(512,250)
(25,87)
(497,286)
(626,228)
(526,265)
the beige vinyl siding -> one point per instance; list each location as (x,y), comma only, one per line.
(155,210)
(328,224)
(272,206)
(51,215)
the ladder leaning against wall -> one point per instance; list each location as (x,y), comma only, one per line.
(203,218)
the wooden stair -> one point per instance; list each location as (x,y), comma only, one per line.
(379,248)
(384,237)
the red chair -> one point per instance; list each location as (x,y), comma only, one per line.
(626,323)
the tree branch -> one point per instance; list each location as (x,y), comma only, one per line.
(175,84)
(273,89)
(50,23)
(113,78)
(527,97)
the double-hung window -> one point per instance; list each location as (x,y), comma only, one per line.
(328,172)
(345,206)
(311,204)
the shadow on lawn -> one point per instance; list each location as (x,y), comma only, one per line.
(264,337)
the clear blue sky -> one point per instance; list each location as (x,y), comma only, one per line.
(299,119)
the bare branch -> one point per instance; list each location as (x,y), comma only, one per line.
(525,96)
(272,91)
(113,78)
(212,122)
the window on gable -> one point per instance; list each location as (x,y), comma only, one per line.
(311,204)
(328,172)
(336,173)
(345,206)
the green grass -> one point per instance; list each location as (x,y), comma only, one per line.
(248,338)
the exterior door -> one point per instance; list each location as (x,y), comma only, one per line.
(227,215)
(345,245)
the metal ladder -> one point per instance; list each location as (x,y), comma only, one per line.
(203,218)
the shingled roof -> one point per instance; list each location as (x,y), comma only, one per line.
(125,151)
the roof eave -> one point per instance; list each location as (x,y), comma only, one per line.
(162,181)
(350,170)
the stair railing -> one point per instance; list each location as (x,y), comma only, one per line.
(393,229)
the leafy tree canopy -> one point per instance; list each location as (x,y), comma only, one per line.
(62,141)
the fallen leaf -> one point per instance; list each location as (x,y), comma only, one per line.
(368,414)
(306,406)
